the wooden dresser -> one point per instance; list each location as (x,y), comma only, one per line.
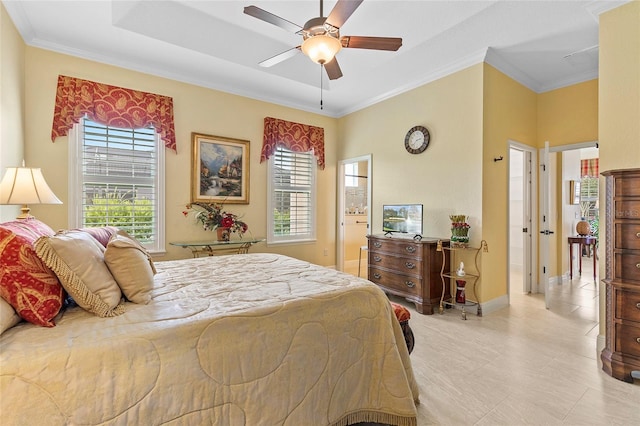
(621,354)
(408,268)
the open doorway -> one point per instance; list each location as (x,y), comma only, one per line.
(354,215)
(565,165)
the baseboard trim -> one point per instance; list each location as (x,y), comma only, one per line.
(494,304)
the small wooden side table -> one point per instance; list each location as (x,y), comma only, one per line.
(588,241)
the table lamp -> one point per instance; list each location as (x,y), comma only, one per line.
(23,186)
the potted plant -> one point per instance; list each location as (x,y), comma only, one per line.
(213,217)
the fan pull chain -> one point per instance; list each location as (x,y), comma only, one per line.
(321,69)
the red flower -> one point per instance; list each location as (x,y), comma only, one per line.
(211,216)
(227,222)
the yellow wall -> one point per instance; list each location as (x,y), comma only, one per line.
(619,102)
(446,178)
(509,114)
(196,109)
(11,101)
(568,115)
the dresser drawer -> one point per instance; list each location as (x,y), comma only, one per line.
(628,339)
(403,283)
(627,266)
(627,236)
(628,305)
(403,265)
(396,246)
(628,186)
(627,209)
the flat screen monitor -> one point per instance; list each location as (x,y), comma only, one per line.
(402,218)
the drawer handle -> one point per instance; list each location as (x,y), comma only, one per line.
(638,339)
(377,244)
(377,276)
(410,265)
(638,305)
(638,265)
(638,235)
(410,249)
(377,258)
(411,284)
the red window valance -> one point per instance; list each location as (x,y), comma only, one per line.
(111,106)
(589,167)
(293,136)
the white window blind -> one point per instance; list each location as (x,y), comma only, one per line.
(292,201)
(119,177)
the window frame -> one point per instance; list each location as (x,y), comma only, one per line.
(75,210)
(272,187)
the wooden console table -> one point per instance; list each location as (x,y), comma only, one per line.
(588,241)
(214,248)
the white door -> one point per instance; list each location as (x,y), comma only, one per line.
(545,232)
(521,217)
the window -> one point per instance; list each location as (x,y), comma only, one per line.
(589,197)
(291,205)
(118,180)
(351,174)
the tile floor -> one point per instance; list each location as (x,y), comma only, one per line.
(521,365)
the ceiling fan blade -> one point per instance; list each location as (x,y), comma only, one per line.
(280,57)
(263,15)
(376,43)
(333,69)
(342,11)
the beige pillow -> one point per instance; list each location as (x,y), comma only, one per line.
(8,316)
(131,266)
(78,260)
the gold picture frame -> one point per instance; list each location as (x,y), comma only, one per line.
(219,169)
(574,192)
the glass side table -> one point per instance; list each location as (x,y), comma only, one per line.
(215,247)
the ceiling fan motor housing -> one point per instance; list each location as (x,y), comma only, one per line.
(316,26)
(321,41)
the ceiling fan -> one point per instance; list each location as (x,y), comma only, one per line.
(321,36)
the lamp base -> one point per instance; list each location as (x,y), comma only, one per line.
(25,213)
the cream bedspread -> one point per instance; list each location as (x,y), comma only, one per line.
(256,339)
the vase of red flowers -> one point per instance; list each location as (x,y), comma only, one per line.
(459,230)
(212,216)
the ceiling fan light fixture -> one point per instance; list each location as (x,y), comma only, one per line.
(321,48)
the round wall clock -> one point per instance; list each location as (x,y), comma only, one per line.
(417,139)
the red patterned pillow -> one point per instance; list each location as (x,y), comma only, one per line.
(25,281)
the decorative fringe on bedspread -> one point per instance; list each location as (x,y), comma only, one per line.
(376,417)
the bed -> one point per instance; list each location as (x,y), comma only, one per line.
(253,339)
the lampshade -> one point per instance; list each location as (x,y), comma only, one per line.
(321,48)
(25,185)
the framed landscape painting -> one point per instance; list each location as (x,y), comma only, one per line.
(220,169)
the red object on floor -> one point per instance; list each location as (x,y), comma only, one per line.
(403,316)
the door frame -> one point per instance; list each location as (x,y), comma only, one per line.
(342,204)
(544,245)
